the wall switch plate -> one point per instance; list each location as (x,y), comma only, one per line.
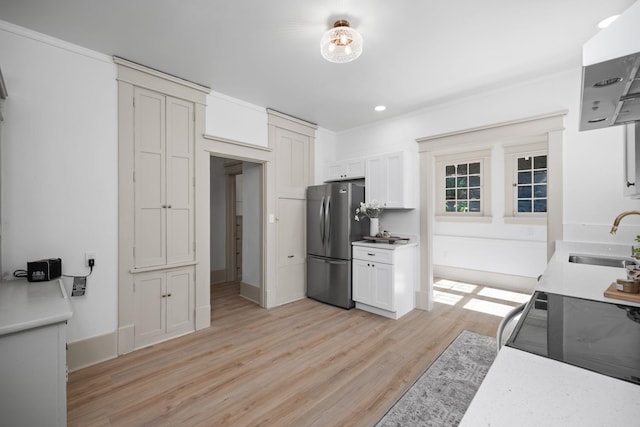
(88,256)
(79,286)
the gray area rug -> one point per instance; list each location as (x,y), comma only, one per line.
(443,393)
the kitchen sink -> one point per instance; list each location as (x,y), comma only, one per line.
(602,260)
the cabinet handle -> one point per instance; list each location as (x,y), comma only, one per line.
(290,256)
(169,206)
(629,184)
(371,254)
(164,296)
(168,295)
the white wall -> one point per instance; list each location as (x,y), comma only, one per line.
(251,215)
(218,216)
(237,120)
(592,164)
(59,168)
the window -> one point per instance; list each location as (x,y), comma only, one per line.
(526,179)
(462,184)
(462,187)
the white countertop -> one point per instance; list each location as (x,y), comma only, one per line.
(26,305)
(398,244)
(524,389)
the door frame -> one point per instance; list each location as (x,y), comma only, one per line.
(231,171)
(263,156)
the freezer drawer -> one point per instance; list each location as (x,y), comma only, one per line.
(329,281)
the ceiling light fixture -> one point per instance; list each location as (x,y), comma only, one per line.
(341,43)
(380,108)
(607,21)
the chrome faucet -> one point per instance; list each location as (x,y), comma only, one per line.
(616,221)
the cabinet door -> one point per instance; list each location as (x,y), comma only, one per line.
(180,300)
(150,307)
(149,179)
(337,171)
(395,180)
(292,151)
(180,181)
(375,178)
(362,286)
(291,250)
(383,286)
(355,168)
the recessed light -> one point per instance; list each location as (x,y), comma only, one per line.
(607,21)
(380,108)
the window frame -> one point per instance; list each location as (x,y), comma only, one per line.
(511,155)
(476,156)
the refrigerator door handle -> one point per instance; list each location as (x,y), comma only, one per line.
(327,220)
(321,220)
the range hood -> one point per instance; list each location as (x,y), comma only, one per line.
(611,74)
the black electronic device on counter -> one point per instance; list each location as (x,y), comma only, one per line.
(44,270)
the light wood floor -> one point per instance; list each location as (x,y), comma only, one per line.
(301,364)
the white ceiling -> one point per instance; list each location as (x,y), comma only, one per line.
(416,52)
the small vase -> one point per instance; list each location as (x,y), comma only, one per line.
(374,227)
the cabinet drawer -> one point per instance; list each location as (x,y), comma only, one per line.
(372,254)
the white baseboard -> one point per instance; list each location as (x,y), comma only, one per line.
(486,278)
(81,354)
(250,292)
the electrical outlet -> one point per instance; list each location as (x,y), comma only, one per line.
(79,286)
(88,256)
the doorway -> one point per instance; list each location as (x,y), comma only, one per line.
(235,225)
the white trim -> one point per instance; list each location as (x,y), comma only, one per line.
(138,80)
(90,351)
(540,124)
(468,218)
(52,41)
(250,292)
(234,142)
(486,278)
(277,114)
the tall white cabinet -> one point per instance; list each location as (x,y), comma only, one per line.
(158,125)
(293,143)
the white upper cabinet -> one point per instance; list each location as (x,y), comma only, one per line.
(346,169)
(163,180)
(390,178)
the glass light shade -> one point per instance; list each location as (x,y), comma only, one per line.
(341,43)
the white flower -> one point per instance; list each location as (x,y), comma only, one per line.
(370,209)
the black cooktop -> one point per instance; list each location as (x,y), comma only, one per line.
(599,336)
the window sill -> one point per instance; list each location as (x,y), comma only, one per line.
(524,220)
(467,219)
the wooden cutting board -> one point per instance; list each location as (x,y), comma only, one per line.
(612,292)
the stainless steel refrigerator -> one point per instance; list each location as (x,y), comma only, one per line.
(331,228)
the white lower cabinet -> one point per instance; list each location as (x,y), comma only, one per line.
(164,305)
(384,278)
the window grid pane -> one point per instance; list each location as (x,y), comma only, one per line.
(531,185)
(462,187)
